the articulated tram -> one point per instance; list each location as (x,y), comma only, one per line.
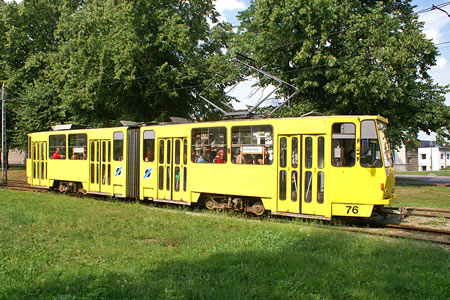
(309,167)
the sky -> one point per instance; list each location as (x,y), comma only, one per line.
(436,28)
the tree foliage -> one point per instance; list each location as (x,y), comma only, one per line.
(98,62)
(350,57)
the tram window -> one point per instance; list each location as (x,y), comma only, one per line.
(34,152)
(57,146)
(43,151)
(177,179)
(98,152)
(294,158)
(168,152)
(168,178)
(98,174)
(177,152)
(103,174)
(252,144)
(308,152)
(109,174)
(92,151)
(161,177)
(320,187)
(161,151)
(92,173)
(343,144)
(321,152)
(283,152)
(308,186)
(370,156)
(282,192)
(104,151)
(294,186)
(77,146)
(209,145)
(184,179)
(185,150)
(118,146)
(109,151)
(149,146)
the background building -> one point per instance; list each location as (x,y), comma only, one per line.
(429,156)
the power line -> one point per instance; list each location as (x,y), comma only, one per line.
(433,7)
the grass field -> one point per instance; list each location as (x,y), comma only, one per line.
(57,247)
(438,173)
(422,196)
(17,173)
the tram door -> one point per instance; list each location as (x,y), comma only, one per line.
(289,171)
(100,166)
(172,169)
(40,164)
(313,177)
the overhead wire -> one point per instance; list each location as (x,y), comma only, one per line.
(433,7)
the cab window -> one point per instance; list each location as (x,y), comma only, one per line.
(370,147)
(209,145)
(343,140)
(57,146)
(118,146)
(252,144)
(149,146)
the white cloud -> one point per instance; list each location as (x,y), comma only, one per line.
(434,34)
(441,62)
(435,23)
(223,5)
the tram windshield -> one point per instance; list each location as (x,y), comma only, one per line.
(385,144)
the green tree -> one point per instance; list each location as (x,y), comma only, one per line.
(350,57)
(26,43)
(105,61)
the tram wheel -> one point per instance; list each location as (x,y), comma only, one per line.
(258,208)
(209,203)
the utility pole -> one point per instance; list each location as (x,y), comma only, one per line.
(4,148)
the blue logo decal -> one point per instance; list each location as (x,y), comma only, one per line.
(148,173)
(118,171)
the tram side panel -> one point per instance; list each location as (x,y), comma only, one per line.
(93,158)
(170,167)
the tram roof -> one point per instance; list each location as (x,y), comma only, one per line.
(70,127)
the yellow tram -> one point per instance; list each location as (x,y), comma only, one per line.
(310,167)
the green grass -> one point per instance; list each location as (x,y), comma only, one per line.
(438,173)
(422,196)
(57,247)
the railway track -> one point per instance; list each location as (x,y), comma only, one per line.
(436,235)
(428,212)
(440,236)
(20,185)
